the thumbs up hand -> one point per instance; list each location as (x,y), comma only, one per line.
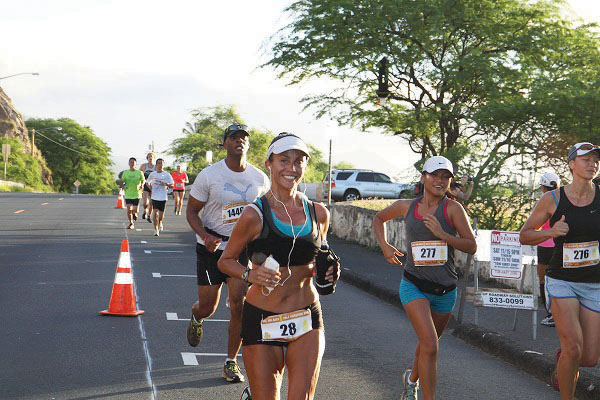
(560,228)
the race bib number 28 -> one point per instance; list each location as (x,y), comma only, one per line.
(429,253)
(232,212)
(577,255)
(286,327)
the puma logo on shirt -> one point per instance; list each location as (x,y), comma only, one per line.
(230,188)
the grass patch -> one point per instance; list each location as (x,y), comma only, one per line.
(5,189)
(371,204)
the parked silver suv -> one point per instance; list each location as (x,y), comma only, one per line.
(353,184)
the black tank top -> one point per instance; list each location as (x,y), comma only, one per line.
(274,242)
(584,226)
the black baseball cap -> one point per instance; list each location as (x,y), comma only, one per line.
(232,129)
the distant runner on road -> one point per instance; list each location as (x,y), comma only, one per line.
(160,181)
(147,168)
(133,181)
(217,199)
(180,179)
(435,226)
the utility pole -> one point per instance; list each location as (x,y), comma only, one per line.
(32,141)
(329,183)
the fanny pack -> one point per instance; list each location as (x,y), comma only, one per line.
(217,235)
(428,286)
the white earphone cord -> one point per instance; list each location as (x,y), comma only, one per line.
(294,236)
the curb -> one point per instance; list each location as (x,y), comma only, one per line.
(533,363)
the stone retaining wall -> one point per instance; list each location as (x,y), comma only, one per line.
(9,183)
(355,224)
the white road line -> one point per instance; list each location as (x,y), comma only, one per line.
(172,316)
(139,230)
(19,211)
(62,198)
(190,358)
(162,251)
(149,380)
(44,204)
(143,241)
(159,275)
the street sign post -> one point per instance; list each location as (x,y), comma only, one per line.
(76,184)
(5,153)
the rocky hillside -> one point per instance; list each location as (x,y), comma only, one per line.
(12,125)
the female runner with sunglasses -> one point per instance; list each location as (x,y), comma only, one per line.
(286,225)
(435,226)
(573,276)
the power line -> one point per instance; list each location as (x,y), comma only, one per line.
(60,144)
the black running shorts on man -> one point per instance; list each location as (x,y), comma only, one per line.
(134,202)
(159,204)
(207,271)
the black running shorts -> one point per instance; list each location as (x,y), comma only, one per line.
(207,271)
(135,202)
(159,204)
(251,317)
(544,254)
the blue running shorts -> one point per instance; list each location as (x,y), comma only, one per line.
(588,294)
(441,304)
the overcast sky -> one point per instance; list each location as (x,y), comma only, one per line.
(132,70)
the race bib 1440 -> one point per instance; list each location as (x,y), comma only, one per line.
(232,212)
(429,253)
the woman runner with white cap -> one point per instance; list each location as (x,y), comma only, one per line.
(573,276)
(548,182)
(435,226)
(282,323)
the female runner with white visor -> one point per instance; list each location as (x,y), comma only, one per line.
(573,276)
(435,226)
(286,225)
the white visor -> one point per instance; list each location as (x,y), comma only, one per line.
(286,143)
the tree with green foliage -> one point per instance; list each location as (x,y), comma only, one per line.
(205,133)
(486,83)
(74,153)
(22,167)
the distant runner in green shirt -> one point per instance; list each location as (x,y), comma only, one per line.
(133,181)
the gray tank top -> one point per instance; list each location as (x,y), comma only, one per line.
(416,231)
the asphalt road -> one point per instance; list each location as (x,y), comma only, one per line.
(57,263)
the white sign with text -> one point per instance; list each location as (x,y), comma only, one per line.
(505,255)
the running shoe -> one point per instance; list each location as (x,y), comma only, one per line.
(410,390)
(144,215)
(232,372)
(194,332)
(548,321)
(156,233)
(135,216)
(130,226)
(161,227)
(246,395)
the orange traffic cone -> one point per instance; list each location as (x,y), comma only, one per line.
(122,298)
(120,199)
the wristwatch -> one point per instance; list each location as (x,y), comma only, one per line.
(246,274)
